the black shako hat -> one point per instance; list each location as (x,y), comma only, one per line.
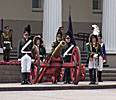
(59,34)
(37,38)
(94,36)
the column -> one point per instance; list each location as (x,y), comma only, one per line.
(52,20)
(109,25)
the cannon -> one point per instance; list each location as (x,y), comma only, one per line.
(48,71)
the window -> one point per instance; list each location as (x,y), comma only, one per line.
(37,5)
(97,6)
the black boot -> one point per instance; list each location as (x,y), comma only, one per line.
(100,76)
(90,76)
(7,59)
(23,79)
(28,79)
(94,80)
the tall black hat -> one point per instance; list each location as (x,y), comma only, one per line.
(59,34)
(100,36)
(6,27)
(93,36)
(67,35)
(37,38)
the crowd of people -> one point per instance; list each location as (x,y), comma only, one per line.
(26,52)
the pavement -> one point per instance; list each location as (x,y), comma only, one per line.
(59,86)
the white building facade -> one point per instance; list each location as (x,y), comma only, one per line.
(45,16)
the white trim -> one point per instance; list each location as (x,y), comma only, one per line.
(97,11)
(22,50)
(37,9)
(68,50)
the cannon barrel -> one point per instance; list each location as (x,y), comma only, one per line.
(56,53)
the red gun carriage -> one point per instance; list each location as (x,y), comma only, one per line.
(48,70)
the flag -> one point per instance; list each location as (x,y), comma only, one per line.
(70,29)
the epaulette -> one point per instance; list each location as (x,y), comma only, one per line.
(43,45)
(52,44)
(87,43)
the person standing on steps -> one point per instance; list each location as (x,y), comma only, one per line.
(102,59)
(24,53)
(94,50)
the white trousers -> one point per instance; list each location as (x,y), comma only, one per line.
(100,66)
(25,63)
(92,64)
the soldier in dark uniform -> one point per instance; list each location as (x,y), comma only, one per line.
(39,43)
(67,58)
(54,45)
(61,30)
(24,52)
(94,51)
(58,40)
(6,43)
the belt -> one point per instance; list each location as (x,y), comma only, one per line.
(7,42)
(26,52)
(68,54)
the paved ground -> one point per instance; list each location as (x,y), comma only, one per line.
(59,86)
(99,94)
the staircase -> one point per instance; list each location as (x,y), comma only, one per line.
(83,57)
(108,74)
(13,55)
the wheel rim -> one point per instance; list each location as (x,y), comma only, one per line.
(75,72)
(33,74)
(35,70)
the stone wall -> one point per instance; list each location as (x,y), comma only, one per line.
(10,73)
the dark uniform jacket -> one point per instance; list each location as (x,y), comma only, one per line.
(55,44)
(94,49)
(42,51)
(68,56)
(6,40)
(22,42)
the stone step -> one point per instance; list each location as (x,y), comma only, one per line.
(105,75)
(108,74)
(103,78)
(83,55)
(13,51)
(13,54)
(84,58)
(105,70)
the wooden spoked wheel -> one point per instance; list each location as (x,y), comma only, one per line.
(75,72)
(33,74)
(35,68)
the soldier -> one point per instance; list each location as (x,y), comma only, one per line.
(94,51)
(24,52)
(39,43)
(102,59)
(6,43)
(61,29)
(94,31)
(67,58)
(58,40)
(54,45)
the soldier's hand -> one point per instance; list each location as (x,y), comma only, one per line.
(4,48)
(95,55)
(104,61)
(11,48)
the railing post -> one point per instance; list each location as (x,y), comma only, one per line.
(83,42)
